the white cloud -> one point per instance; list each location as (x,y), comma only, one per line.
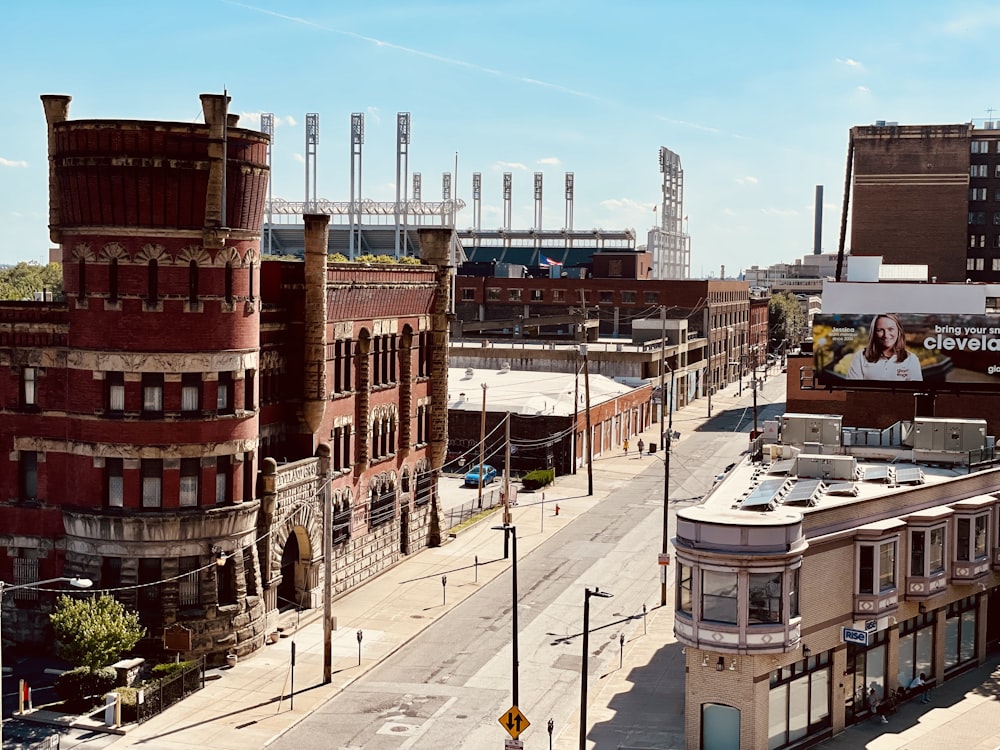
(251,120)
(375,115)
(850,63)
(286,120)
(553,160)
(863,90)
(728,212)
(626,204)
(780,212)
(508,165)
(974,23)
(687,124)
(10,163)
(748,180)
(299,158)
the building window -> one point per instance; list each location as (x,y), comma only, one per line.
(191,392)
(250,280)
(190,482)
(341,439)
(81,293)
(152,394)
(153,283)
(764,598)
(492,294)
(651,298)
(558,295)
(468,295)
(383,504)
(980,147)
(114,478)
(113,281)
(719,597)
(513,295)
(974,264)
(537,295)
(685,602)
(29,386)
(996,218)
(971,536)
(615,268)
(798,700)
(224,393)
(605,298)
(793,593)
(977,240)
(149,599)
(424,488)
(995,264)
(115,384)
(960,633)
(152,483)
(222,483)
(28,475)
(927,552)
(193,283)
(341,521)
(977,170)
(977,217)
(248,391)
(877,567)
(187,584)
(229,283)
(916,648)
(996,169)
(628,298)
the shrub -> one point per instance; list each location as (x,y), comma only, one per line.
(168,668)
(77,686)
(538,478)
(129,700)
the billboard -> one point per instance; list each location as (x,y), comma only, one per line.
(909,351)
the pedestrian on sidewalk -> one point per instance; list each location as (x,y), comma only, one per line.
(625,446)
(919,686)
(640,447)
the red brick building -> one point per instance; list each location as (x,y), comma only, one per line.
(184,405)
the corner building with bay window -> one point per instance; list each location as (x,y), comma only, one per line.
(810,578)
(186,405)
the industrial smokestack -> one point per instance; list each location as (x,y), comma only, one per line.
(818,219)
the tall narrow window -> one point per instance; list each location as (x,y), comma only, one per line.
(190,392)
(153,283)
(187,585)
(250,281)
(28,467)
(224,394)
(193,282)
(115,382)
(248,390)
(190,482)
(113,280)
(152,394)
(152,483)
(29,385)
(229,282)
(115,481)
(222,479)
(81,292)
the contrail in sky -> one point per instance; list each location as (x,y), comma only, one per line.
(419,53)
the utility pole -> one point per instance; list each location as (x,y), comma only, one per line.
(482,445)
(576,408)
(666,489)
(590,439)
(506,476)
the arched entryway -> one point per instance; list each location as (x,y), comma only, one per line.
(293,589)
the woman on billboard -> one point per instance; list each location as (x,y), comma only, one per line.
(885,357)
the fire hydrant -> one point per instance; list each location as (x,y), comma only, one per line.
(557,509)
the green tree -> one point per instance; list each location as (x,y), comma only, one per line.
(785,319)
(20,282)
(94,632)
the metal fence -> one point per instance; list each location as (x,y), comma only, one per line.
(453,516)
(159,696)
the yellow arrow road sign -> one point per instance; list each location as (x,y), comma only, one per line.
(514,722)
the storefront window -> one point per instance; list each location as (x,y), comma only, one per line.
(916,648)
(960,633)
(799,701)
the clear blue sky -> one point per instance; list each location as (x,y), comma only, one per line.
(757,98)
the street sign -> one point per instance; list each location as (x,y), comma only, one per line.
(514,722)
(511,744)
(871,625)
(849,635)
(663,558)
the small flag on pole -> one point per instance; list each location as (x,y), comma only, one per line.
(547,261)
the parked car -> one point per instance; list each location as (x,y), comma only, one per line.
(472,478)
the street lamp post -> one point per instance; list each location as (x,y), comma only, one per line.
(511,532)
(80,583)
(587,593)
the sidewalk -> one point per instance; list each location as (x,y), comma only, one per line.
(246,706)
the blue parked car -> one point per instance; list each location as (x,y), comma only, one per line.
(472,478)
